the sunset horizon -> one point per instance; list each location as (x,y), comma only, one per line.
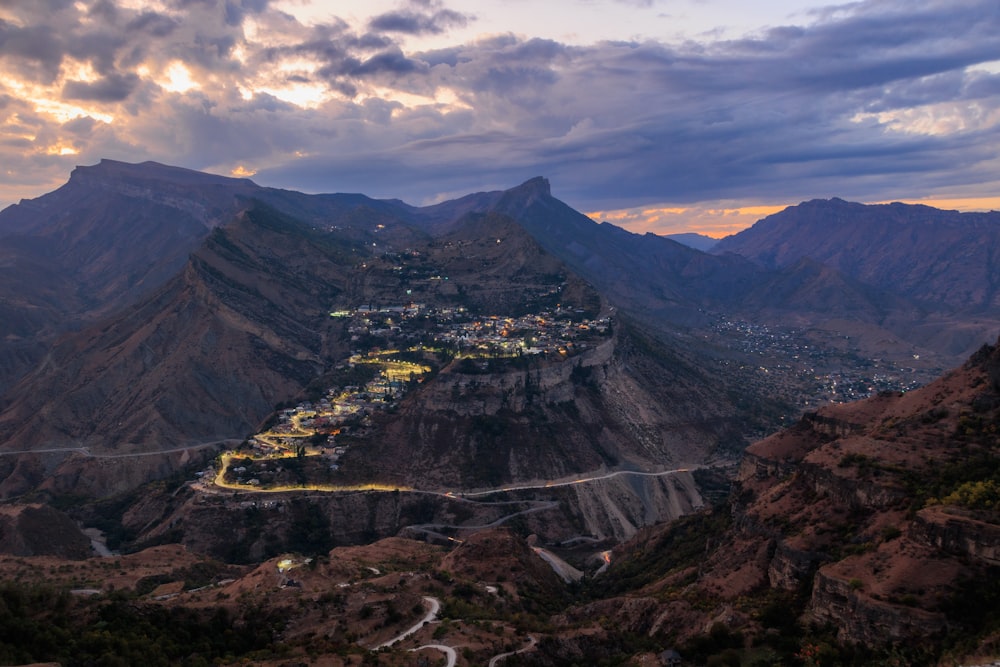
(659,116)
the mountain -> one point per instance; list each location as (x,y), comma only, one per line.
(866,530)
(164,375)
(677,283)
(866,533)
(116,231)
(809,290)
(204,358)
(696,241)
(94,245)
(474,403)
(682,289)
(534,419)
(246,326)
(945,258)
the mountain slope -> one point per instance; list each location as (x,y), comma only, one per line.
(245,325)
(808,289)
(677,282)
(868,529)
(116,231)
(623,400)
(946,258)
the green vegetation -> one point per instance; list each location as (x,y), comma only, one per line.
(971,480)
(980,495)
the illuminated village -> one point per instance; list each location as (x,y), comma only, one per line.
(382,374)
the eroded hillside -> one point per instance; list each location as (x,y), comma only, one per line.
(868,529)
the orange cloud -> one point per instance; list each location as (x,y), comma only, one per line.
(715,219)
(719,219)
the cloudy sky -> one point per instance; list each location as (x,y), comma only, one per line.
(660,115)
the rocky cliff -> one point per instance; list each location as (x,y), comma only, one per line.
(877,519)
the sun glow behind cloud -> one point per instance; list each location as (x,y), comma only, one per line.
(44,101)
(302,95)
(61,149)
(935,119)
(177,78)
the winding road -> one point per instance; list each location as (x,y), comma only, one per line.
(434,607)
(447,650)
(495,660)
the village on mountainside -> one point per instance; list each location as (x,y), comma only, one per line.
(398,346)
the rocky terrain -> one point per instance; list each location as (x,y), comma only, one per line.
(866,533)
(554,470)
(213,316)
(866,529)
(246,325)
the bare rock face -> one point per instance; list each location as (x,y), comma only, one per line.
(882,511)
(611,406)
(953,532)
(861,619)
(618,507)
(834,490)
(789,567)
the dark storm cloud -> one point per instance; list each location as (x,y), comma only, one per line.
(112,88)
(777,114)
(392,62)
(153,24)
(35,51)
(876,47)
(865,100)
(417,23)
(82,126)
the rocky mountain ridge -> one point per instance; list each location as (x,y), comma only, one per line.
(929,255)
(877,519)
(247,325)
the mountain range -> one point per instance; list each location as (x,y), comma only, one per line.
(484,399)
(176,309)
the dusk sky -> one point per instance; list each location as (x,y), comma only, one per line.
(658,115)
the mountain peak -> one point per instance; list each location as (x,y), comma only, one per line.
(115,170)
(539,185)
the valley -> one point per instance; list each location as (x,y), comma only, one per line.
(333,430)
